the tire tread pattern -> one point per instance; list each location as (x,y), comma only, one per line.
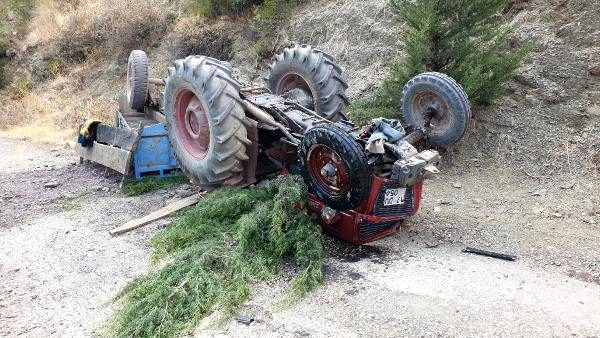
(321,72)
(138,65)
(211,82)
(454,95)
(353,156)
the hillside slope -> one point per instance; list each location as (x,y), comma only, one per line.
(74,58)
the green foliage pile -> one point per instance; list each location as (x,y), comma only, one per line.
(212,256)
(149,184)
(466,39)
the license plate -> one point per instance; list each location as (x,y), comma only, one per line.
(394,196)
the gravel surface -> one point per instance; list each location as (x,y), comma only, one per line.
(60,268)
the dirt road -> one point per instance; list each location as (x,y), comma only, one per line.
(59,267)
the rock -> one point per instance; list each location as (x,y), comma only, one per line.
(595,71)
(432,244)
(557,215)
(96,188)
(457,185)
(588,220)
(531,99)
(51,185)
(437,209)
(67,145)
(105,189)
(541,192)
(183,192)
(567,186)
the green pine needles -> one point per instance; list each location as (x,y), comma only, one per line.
(466,39)
(217,250)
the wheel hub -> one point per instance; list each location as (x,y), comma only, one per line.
(435,114)
(192,124)
(295,87)
(329,170)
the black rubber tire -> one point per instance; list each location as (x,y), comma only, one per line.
(210,81)
(353,156)
(319,70)
(137,79)
(453,95)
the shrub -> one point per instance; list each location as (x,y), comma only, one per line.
(105,28)
(196,36)
(466,39)
(267,17)
(212,256)
(215,8)
(20,89)
(22,8)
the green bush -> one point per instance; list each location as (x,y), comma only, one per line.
(219,7)
(213,255)
(268,14)
(466,39)
(23,8)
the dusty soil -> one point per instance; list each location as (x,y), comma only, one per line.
(60,267)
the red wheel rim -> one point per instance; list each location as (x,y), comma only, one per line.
(441,119)
(192,124)
(294,81)
(328,169)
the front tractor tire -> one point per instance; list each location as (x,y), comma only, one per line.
(205,121)
(312,77)
(335,167)
(437,104)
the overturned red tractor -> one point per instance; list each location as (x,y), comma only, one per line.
(362,182)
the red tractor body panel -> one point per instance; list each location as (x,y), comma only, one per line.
(372,220)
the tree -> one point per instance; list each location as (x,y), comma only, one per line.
(466,39)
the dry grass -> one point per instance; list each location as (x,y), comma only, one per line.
(200,36)
(75,64)
(48,20)
(52,113)
(108,28)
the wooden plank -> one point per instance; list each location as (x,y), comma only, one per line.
(111,157)
(118,137)
(161,213)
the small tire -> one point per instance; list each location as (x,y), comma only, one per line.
(137,79)
(446,99)
(205,120)
(335,167)
(317,74)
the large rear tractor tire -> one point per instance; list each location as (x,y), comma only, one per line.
(137,79)
(205,121)
(335,167)
(439,105)
(312,77)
